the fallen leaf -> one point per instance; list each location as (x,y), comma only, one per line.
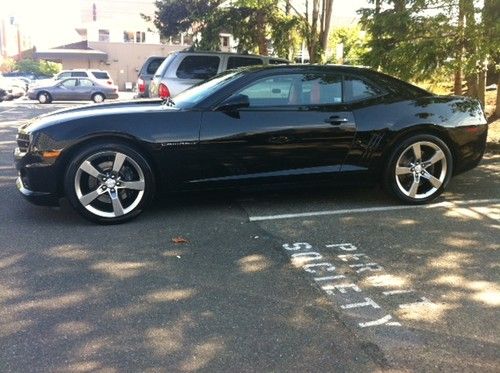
(178,240)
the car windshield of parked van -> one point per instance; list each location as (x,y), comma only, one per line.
(201,91)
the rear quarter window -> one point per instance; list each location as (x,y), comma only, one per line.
(198,67)
(235,62)
(100,74)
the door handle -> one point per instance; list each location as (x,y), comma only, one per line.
(336,120)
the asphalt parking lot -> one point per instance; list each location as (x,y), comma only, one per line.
(338,279)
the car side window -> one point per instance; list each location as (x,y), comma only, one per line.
(356,89)
(63,75)
(70,83)
(198,67)
(235,62)
(78,74)
(294,90)
(86,83)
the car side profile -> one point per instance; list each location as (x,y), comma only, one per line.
(72,89)
(253,126)
(181,70)
(99,75)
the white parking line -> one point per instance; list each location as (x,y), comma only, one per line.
(447,204)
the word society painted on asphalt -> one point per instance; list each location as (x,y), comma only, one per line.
(342,284)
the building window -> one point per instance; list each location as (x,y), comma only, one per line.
(128,36)
(140,37)
(104,35)
(225,41)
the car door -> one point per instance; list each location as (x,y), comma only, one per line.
(84,89)
(295,127)
(65,90)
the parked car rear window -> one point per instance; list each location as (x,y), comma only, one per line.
(153,65)
(100,74)
(234,62)
(198,67)
(356,89)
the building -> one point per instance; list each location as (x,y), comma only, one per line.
(113,36)
(13,39)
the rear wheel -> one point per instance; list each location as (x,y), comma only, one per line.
(98,98)
(109,183)
(419,169)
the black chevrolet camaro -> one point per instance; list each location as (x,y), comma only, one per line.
(254,126)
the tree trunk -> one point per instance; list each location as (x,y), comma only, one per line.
(472,90)
(481,86)
(457,89)
(313,33)
(327,20)
(497,110)
(261,29)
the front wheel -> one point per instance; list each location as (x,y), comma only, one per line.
(44,98)
(109,183)
(419,169)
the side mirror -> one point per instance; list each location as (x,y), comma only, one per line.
(234,103)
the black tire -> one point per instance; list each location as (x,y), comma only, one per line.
(44,97)
(102,156)
(98,98)
(403,171)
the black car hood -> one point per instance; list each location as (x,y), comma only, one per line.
(108,109)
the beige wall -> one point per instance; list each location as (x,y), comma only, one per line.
(124,59)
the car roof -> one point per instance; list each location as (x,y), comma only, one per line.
(227,54)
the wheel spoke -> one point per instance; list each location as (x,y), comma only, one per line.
(135,185)
(417,151)
(413,190)
(438,155)
(89,197)
(118,163)
(403,170)
(91,170)
(117,205)
(436,183)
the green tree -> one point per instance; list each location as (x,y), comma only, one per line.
(423,39)
(38,67)
(253,22)
(354,44)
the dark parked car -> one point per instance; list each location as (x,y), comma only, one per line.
(146,73)
(72,89)
(254,126)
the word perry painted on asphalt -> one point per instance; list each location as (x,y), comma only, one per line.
(340,279)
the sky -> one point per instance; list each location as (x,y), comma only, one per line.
(52,22)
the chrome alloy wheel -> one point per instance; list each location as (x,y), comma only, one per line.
(109,184)
(421,170)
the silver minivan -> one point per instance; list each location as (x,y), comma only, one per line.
(181,70)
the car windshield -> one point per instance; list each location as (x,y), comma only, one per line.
(199,92)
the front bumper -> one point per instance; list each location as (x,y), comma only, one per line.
(37,198)
(37,180)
